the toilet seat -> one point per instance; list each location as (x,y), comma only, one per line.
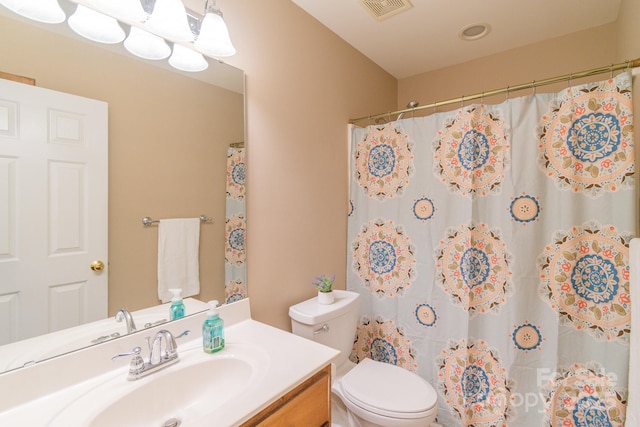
(389,390)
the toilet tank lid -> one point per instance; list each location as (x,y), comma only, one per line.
(310,312)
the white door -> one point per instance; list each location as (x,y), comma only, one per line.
(53,210)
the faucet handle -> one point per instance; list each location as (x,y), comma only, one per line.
(123,314)
(137,363)
(135,352)
(183,334)
(170,349)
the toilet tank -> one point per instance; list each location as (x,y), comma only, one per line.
(333,325)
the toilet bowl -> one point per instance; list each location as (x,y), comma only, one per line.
(375,393)
(380,394)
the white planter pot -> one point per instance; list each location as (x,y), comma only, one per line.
(325,297)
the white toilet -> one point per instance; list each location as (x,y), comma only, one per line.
(375,393)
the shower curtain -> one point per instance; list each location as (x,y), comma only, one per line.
(235,227)
(490,246)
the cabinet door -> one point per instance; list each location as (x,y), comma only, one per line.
(308,405)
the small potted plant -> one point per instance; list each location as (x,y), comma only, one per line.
(325,288)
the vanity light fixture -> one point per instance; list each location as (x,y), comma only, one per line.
(169,20)
(47,11)
(145,45)
(186,59)
(214,39)
(152,24)
(95,26)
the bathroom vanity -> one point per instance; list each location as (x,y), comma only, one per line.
(308,405)
(262,376)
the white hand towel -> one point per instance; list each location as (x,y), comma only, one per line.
(178,266)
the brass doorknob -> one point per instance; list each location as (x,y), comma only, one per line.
(97,265)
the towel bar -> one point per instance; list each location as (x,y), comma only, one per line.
(147,221)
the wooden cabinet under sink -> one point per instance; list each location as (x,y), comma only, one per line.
(308,405)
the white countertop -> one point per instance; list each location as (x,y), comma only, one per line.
(39,393)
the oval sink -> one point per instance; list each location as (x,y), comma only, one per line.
(178,394)
(186,391)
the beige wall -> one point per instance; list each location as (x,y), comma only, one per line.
(611,43)
(563,55)
(168,137)
(303,85)
(628,31)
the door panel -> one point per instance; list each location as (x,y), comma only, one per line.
(53,210)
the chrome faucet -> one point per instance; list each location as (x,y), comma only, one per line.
(156,356)
(158,359)
(123,314)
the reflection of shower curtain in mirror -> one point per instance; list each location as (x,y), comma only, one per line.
(491,248)
(235,227)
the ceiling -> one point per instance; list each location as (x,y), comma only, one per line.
(425,36)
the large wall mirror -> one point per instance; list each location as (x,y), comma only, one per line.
(175,144)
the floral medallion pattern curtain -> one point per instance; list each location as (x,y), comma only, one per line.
(235,227)
(490,246)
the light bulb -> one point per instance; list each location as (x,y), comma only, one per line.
(145,45)
(47,11)
(214,37)
(186,59)
(169,20)
(95,26)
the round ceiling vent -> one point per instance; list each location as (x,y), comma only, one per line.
(474,31)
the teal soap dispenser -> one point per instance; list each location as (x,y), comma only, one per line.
(176,310)
(213,330)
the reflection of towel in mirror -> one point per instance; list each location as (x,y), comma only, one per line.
(178,267)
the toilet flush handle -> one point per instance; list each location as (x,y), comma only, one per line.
(325,328)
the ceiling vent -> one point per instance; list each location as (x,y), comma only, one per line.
(383,9)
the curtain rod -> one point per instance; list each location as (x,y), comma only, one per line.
(531,85)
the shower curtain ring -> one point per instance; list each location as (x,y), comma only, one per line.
(507,96)
(462,101)
(570,78)
(611,71)
(533,86)
(482,98)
